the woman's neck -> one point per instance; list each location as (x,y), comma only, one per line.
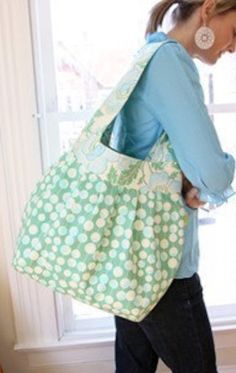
(184,33)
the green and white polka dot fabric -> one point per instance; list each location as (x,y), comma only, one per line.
(103,227)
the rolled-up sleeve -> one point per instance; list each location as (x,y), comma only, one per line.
(174,95)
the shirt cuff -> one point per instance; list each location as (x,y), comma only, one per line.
(217,199)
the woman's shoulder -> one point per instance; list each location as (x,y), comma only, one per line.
(171,53)
(168,45)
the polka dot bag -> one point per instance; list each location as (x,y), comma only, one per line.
(103,227)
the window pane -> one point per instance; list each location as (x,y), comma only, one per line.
(225,125)
(219,81)
(218,254)
(68,132)
(83,311)
(217,233)
(94,42)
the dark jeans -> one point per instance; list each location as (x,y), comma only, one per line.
(177,330)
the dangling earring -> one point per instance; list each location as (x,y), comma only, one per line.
(204,37)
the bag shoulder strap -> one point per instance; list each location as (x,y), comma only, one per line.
(119,95)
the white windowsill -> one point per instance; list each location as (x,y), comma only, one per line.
(72,340)
(66,350)
(64,344)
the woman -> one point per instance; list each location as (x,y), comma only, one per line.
(169,98)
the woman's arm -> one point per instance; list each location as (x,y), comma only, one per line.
(173,93)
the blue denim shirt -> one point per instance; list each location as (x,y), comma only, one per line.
(169,98)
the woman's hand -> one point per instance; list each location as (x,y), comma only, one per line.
(192,199)
(191,194)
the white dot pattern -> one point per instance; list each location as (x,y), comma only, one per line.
(96,256)
(107,234)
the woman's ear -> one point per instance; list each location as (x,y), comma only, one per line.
(207,10)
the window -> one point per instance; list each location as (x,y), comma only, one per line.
(217,239)
(81,50)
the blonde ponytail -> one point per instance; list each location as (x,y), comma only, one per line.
(157,14)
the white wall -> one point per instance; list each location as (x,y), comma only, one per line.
(14,49)
(10,360)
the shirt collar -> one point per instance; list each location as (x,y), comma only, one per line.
(156,37)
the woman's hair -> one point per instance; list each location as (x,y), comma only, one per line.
(184,9)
